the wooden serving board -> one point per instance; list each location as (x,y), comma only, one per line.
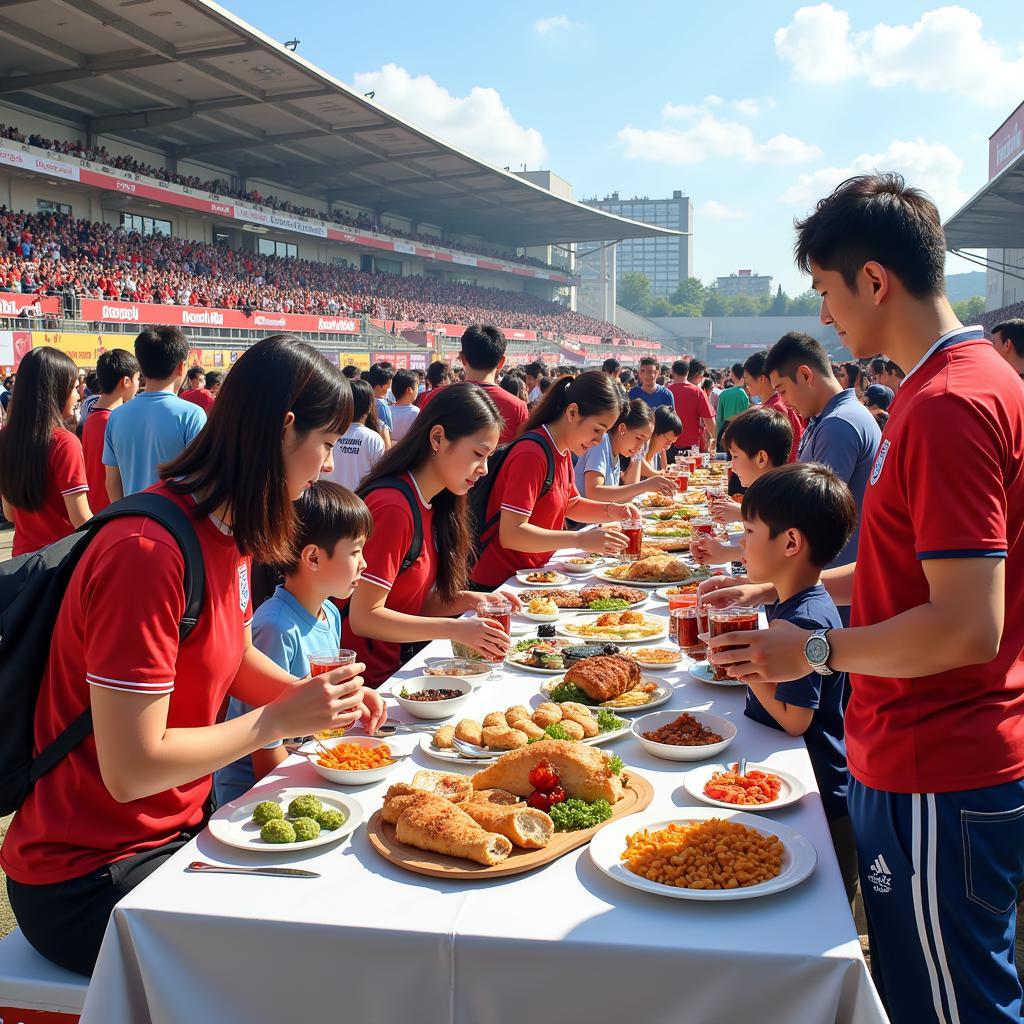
(637,795)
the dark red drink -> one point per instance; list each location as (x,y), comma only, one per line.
(703,611)
(704,526)
(731,620)
(683,482)
(328,661)
(635,536)
(496,609)
(685,622)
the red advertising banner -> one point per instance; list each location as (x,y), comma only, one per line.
(454,331)
(102,311)
(1007,143)
(16,304)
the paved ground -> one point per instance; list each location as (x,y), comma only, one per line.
(7,920)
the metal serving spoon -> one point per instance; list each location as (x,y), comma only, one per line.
(201,867)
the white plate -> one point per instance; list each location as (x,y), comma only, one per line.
(538,617)
(560,578)
(696,779)
(661,696)
(602,574)
(658,666)
(534,668)
(662,592)
(702,671)
(798,861)
(487,756)
(563,629)
(232,824)
(577,570)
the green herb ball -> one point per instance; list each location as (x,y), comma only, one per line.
(277,830)
(305,806)
(305,829)
(266,810)
(331,819)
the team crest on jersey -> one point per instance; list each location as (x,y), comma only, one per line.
(243,586)
(876,469)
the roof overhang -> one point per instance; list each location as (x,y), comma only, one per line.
(994,217)
(190,80)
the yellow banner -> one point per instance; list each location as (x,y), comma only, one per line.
(84,349)
(360,359)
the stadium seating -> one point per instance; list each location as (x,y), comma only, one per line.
(32,989)
(997,316)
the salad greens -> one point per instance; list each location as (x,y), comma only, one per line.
(574,814)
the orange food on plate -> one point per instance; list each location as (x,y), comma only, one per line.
(755,787)
(350,757)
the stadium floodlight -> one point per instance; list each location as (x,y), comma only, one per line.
(292,44)
(369,95)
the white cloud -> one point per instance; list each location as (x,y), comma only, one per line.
(479,123)
(710,136)
(719,211)
(943,51)
(673,110)
(549,27)
(713,100)
(931,166)
(752,105)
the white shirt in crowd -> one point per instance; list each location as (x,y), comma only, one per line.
(401,421)
(355,454)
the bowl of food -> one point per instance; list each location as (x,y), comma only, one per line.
(683,736)
(541,578)
(541,609)
(459,667)
(432,696)
(353,760)
(580,565)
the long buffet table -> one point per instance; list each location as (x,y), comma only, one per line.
(562,944)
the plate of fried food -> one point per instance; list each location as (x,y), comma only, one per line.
(679,857)
(676,513)
(518,726)
(658,658)
(541,578)
(619,627)
(687,586)
(760,789)
(652,571)
(613,682)
(661,501)
(526,809)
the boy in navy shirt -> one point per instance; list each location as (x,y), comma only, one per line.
(796,519)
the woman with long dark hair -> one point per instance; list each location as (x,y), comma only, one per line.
(134,791)
(524,523)
(361,446)
(443,455)
(42,467)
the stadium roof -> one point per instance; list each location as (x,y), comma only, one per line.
(187,78)
(994,217)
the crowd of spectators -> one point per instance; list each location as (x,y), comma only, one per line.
(997,316)
(220,187)
(55,254)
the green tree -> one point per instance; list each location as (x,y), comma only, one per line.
(661,307)
(713,304)
(969,310)
(808,303)
(779,304)
(634,292)
(743,305)
(690,292)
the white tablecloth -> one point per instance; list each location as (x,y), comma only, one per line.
(560,945)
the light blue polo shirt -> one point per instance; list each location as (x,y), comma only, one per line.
(599,459)
(287,634)
(151,429)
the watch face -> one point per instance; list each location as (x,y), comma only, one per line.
(817,650)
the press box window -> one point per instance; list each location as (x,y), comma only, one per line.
(268,247)
(48,206)
(145,225)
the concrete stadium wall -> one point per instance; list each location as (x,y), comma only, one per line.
(718,339)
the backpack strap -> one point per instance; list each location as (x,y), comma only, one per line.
(178,524)
(549,479)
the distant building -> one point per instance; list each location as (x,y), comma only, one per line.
(665,262)
(744,282)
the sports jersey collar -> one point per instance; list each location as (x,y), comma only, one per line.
(219,523)
(561,451)
(954,337)
(419,493)
(286,597)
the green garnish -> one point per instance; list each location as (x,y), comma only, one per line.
(404,693)
(607,721)
(573,814)
(607,604)
(615,764)
(569,691)
(556,731)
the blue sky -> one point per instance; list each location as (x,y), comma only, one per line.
(752,109)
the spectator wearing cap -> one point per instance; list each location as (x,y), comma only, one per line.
(878,398)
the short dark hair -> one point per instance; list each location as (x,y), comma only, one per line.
(350,371)
(879,218)
(379,375)
(649,361)
(665,420)
(160,350)
(681,368)
(534,369)
(760,430)
(436,372)
(483,346)
(696,368)
(635,414)
(793,350)
(737,369)
(755,364)
(611,366)
(401,382)
(891,367)
(194,372)
(808,497)
(878,364)
(213,378)
(113,366)
(1013,332)
(327,513)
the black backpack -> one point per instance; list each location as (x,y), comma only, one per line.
(480,495)
(32,588)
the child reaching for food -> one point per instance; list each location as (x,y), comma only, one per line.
(796,519)
(300,620)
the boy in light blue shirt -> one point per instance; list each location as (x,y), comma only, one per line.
(300,620)
(139,438)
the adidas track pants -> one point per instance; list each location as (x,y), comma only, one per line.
(939,874)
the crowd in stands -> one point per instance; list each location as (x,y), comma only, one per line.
(1014,311)
(55,254)
(220,187)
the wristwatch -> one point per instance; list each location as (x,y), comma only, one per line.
(818,650)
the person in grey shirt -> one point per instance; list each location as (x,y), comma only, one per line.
(841,433)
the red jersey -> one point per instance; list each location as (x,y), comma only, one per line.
(517,488)
(777,402)
(92,446)
(384,551)
(513,410)
(202,397)
(65,474)
(947,482)
(692,407)
(117,628)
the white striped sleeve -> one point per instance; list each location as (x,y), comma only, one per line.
(76,490)
(506,507)
(377,581)
(130,685)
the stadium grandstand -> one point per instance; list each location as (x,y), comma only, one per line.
(168,163)
(993,221)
